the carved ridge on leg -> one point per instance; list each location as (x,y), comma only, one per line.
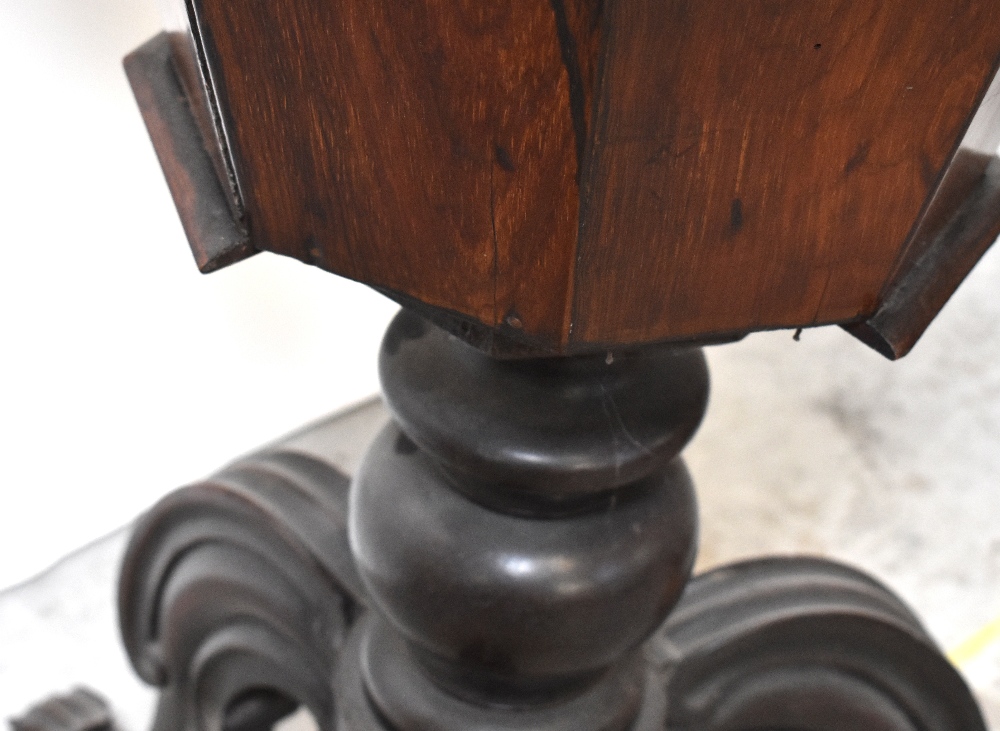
(237,593)
(521,528)
(804,644)
(503,581)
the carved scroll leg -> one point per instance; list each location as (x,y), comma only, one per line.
(79,710)
(805,645)
(237,594)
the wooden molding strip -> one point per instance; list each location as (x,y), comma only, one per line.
(217,239)
(946,249)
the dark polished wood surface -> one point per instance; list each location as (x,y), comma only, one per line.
(548,177)
(540,582)
(557,176)
(765,167)
(427,148)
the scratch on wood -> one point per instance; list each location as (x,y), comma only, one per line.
(496,247)
(577,90)
(822,296)
(736,216)
(859,157)
(504,159)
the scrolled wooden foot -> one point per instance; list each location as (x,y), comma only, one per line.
(79,710)
(514,555)
(806,645)
(521,528)
(237,594)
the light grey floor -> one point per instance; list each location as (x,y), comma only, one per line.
(816,447)
(60,629)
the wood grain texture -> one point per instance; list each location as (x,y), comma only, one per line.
(960,224)
(208,211)
(765,168)
(945,249)
(559,176)
(423,147)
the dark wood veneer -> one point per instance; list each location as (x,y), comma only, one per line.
(765,167)
(552,177)
(558,176)
(422,147)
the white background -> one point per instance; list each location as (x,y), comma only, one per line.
(123,371)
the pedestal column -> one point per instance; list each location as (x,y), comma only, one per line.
(522,527)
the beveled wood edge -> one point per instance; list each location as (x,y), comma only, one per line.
(923,288)
(507,343)
(216,238)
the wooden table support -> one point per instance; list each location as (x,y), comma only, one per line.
(569,197)
(513,553)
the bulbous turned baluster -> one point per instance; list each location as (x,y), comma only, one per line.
(237,593)
(806,644)
(522,528)
(511,547)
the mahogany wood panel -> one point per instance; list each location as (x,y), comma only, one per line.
(209,212)
(556,176)
(423,147)
(766,167)
(944,250)
(961,223)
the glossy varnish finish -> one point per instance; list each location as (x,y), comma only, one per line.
(435,596)
(557,176)
(423,147)
(766,165)
(178,122)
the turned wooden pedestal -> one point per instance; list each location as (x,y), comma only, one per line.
(570,198)
(513,553)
